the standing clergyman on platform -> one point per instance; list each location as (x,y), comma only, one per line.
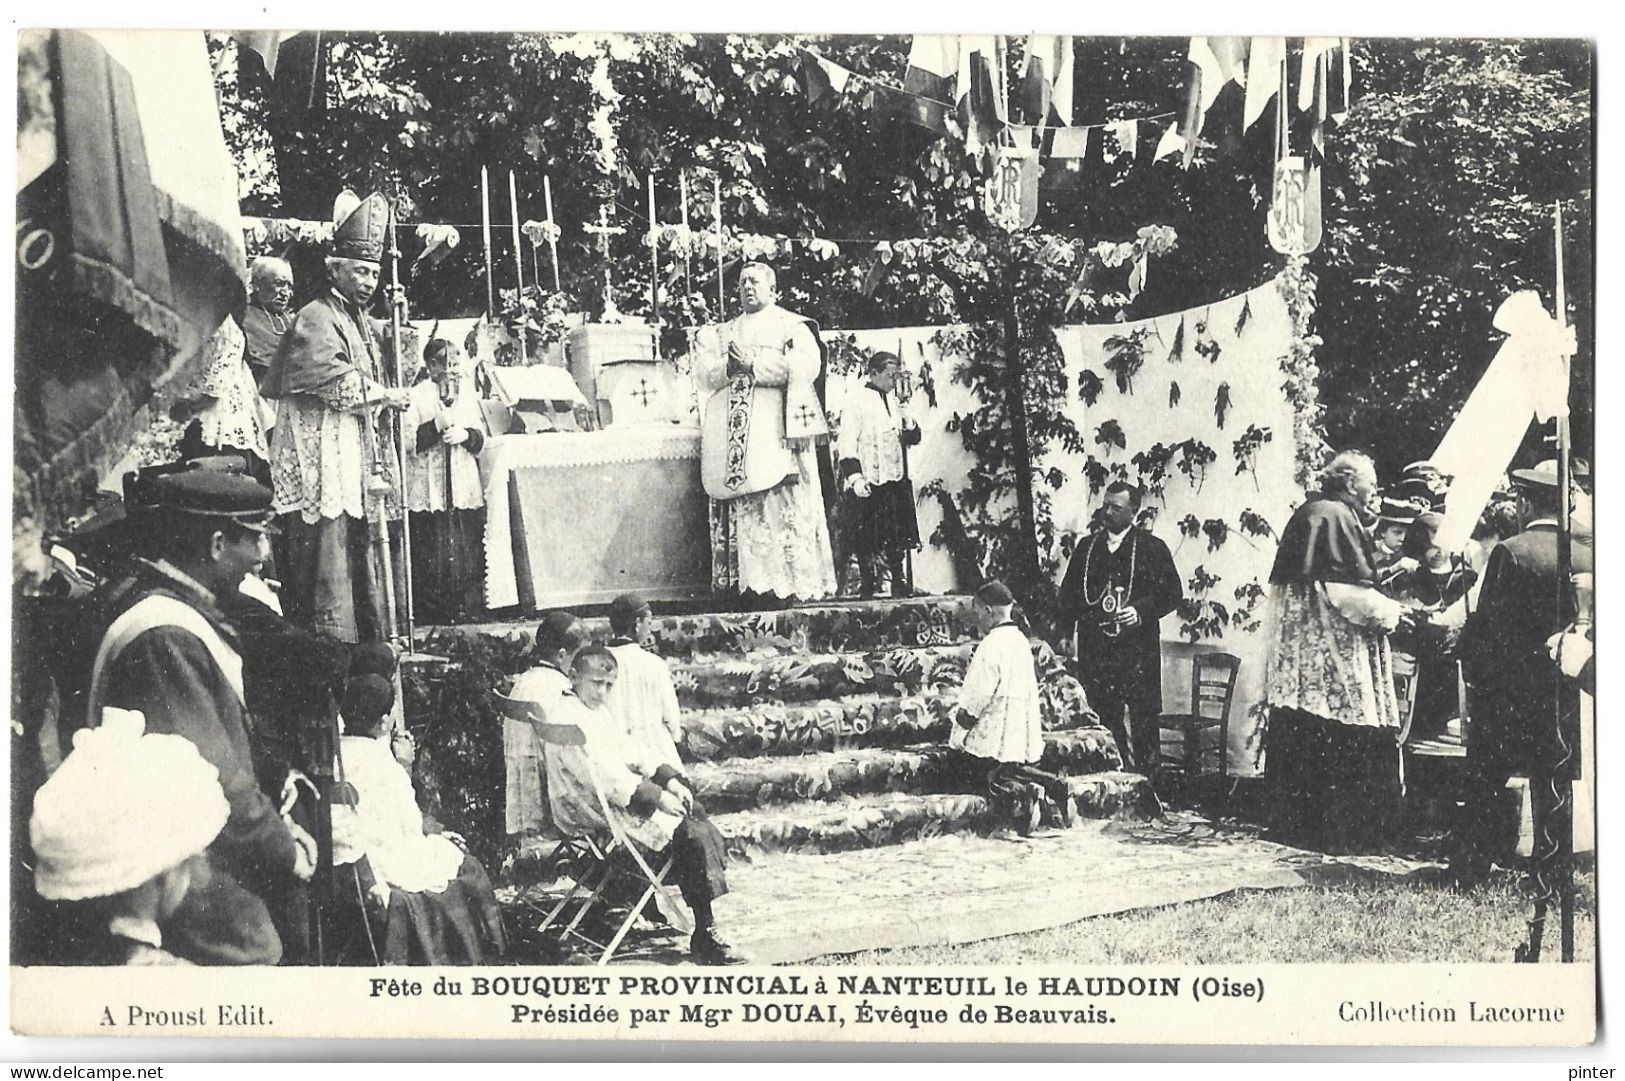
(445,431)
(762,426)
(1120,583)
(330,444)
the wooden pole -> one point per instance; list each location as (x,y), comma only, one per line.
(654,257)
(688,282)
(552,245)
(1565,572)
(485,232)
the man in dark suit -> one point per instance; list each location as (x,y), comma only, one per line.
(1120,583)
(1516,695)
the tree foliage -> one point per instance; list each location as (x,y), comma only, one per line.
(1439,197)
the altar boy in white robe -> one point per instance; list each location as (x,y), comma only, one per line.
(648,800)
(445,432)
(762,432)
(644,697)
(881,526)
(997,731)
(558,637)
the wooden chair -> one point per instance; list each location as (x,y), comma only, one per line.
(1213,690)
(595,862)
(1404,666)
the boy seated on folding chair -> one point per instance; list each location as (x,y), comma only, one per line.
(648,800)
(558,636)
(998,733)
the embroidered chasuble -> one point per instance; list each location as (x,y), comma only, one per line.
(759,447)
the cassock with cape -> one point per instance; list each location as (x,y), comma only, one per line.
(1333,747)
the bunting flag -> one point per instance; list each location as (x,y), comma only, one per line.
(1047,82)
(1121,141)
(933,65)
(820,77)
(1311,90)
(1265,75)
(978,101)
(1171,143)
(1216,62)
(295,66)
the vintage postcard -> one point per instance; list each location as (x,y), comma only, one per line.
(853,537)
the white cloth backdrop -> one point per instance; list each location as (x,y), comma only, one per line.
(1248,362)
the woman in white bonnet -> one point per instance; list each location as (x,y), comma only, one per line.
(120,830)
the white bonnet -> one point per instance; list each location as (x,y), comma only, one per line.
(123,807)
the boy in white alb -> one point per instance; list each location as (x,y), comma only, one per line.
(997,730)
(557,639)
(644,697)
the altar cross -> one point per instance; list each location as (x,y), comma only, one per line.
(603,229)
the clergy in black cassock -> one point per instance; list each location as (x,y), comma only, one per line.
(1119,584)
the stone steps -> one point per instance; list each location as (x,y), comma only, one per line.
(739,784)
(894,818)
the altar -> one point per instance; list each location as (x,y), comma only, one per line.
(580,517)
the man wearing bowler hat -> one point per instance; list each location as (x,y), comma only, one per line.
(1515,698)
(170,654)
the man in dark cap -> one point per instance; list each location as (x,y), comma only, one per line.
(169,653)
(1516,702)
(330,451)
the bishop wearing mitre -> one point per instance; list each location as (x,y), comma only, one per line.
(761,437)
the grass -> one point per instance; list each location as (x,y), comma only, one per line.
(1364,921)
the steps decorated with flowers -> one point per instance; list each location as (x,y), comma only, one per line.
(743,783)
(817,729)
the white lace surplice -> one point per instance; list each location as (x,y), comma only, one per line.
(1324,664)
(320,456)
(386,825)
(236,415)
(443,477)
(775,541)
(1001,692)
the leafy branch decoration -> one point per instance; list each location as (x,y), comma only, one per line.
(1221,403)
(1246,450)
(1109,435)
(1125,355)
(1194,458)
(1200,615)
(1090,385)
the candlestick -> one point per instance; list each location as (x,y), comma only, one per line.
(485,230)
(552,245)
(518,266)
(654,257)
(722,301)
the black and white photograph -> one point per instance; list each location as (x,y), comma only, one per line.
(804,536)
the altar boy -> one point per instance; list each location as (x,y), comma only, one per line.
(997,729)
(648,800)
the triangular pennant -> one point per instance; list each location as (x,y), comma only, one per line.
(1263,77)
(1171,143)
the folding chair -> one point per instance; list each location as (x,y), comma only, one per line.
(594,864)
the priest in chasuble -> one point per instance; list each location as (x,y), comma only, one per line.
(762,430)
(331,447)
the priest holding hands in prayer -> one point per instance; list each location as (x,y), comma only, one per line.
(761,426)
(1120,583)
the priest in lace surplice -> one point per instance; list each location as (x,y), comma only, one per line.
(762,435)
(445,431)
(330,442)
